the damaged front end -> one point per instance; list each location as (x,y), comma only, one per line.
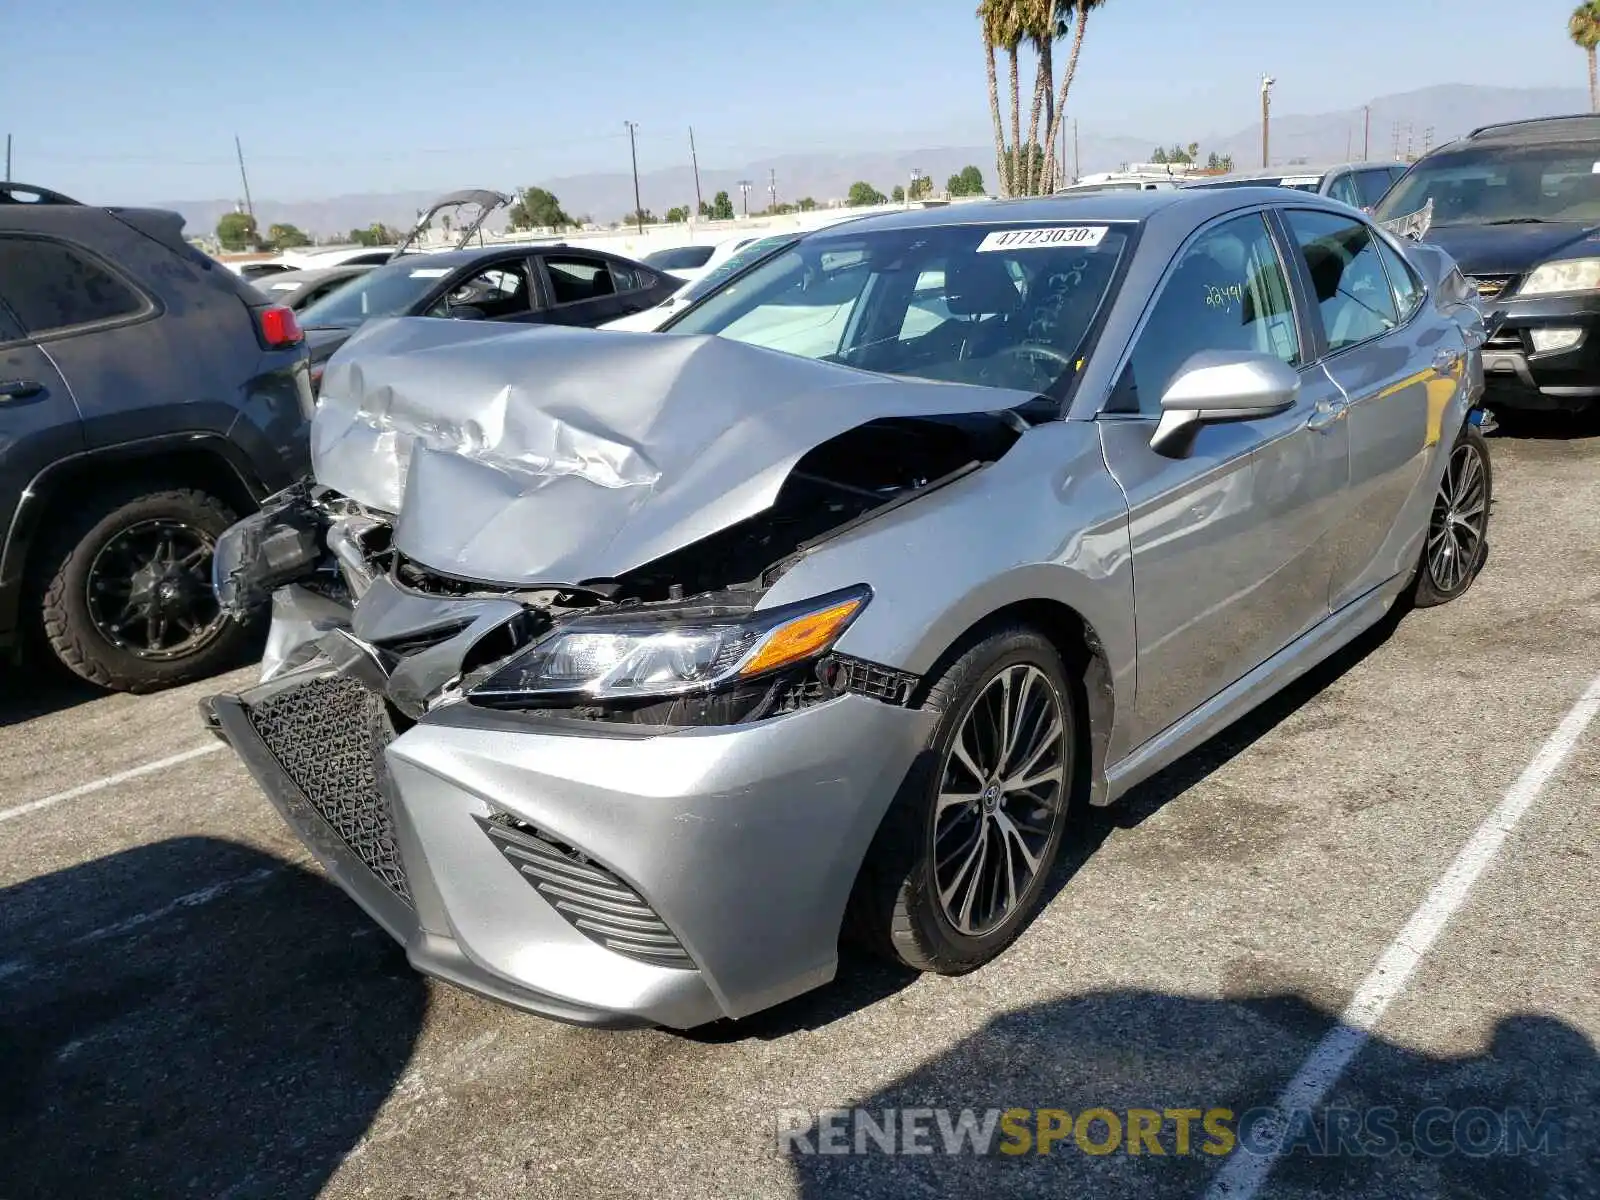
(522,618)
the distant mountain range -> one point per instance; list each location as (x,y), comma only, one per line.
(1396,122)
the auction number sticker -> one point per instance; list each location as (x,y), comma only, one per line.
(1043,239)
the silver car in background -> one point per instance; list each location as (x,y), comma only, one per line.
(615,675)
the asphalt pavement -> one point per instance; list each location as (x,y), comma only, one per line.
(188,1008)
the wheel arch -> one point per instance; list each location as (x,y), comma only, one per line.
(207,462)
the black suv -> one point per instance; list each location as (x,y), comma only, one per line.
(148,398)
(1518,207)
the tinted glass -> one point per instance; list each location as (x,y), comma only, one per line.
(1500,185)
(52,286)
(1352,288)
(679,257)
(1403,280)
(573,279)
(498,291)
(1299,183)
(1371,185)
(1002,306)
(382,292)
(10,331)
(1226,292)
(1343,189)
(630,277)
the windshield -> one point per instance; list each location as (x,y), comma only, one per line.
(382,292)
(678,258)
(737,261)
(1000,305)
(1498,185)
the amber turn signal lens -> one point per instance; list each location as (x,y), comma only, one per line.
(801,638)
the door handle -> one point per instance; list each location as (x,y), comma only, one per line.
(20,389)
(1446,360)
(1325,414)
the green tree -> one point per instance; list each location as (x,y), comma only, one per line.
(1158,155)
(897,194)
(1219,162)
(678,215)
(537,208)
(376,234)
(1584,29)
(966,182)
(721,207)
(862,194)
(807,204)
(1073,19)
(642,216)
(921,188)
(236,231)
(286,237)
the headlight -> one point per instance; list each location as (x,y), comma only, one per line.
(643,656)
(1573,275)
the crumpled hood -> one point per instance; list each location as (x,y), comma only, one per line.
(1511,249)
(529,456)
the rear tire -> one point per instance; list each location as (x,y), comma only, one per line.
(128,549)
(942,887)
(1458,527)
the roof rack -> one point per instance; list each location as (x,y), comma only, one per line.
(26,193)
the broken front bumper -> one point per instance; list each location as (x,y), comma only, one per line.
(604,875)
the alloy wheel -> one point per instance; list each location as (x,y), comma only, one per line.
(1001,790)
(149,590)
(1460,517)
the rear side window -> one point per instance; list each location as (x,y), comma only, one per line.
(1372,185)
(1343,189)
(575,279)
(1352,288)
(627,277)
(53,286)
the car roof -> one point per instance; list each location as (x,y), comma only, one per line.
(1293,169)
(1578,127)
(1096,206)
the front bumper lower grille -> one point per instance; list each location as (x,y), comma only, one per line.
(1489,287)
(328,735)
(593,900)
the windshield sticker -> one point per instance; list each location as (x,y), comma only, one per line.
(1300,181)
(1043,239)
(430,272)
(1595,170)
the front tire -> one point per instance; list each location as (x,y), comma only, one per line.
(1458,527)
(125,590)
(959,865)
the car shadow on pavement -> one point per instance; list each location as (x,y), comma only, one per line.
(33,691)
(1533,425)
(1517,1119)
(192,1018)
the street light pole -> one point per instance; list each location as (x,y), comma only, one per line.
(1266,119)
(695,163)
(633,149)
(744,191)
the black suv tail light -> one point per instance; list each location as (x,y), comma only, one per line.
(278,327)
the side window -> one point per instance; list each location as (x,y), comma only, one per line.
(498,291)
(1352,289)
(1227,292)
(53,286)
(1403,280)
(10,331)
(1371,185)
(629,277)
(1343,189)
(573,279)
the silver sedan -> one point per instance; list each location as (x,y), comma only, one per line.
(617,675)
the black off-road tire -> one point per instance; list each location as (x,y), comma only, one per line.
(61,568)
(894,910)
(1426,591)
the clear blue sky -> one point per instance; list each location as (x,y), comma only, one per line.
(117,102)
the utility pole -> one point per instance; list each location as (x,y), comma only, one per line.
(911,192)
(1076,165)
(1408,141)
(1395,130)
(8,158)
(1266,119)
(633,150)
(772,188)
(695,163)
(1366,133)
(249,207)
(744,191)
(1427,139)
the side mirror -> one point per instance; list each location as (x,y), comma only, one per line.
(466,312)
(1223,385)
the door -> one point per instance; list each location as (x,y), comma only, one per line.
(39,420)
(1390,371)
(581,288)
(500,290)
(1229,565)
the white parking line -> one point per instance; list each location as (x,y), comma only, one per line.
(1243,1174)
(99,785)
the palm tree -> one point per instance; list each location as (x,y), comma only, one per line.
(1040,23)
(1584,28)
(991,18)
(1079,18)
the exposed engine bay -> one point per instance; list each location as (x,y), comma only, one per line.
(315,554)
